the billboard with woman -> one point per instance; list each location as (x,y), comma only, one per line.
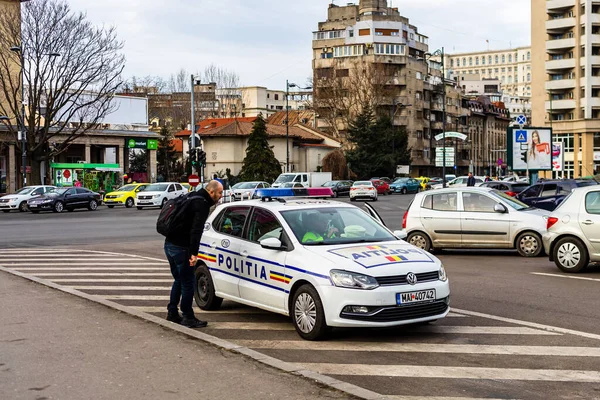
(532,149)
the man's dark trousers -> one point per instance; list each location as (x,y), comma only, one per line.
(184,282)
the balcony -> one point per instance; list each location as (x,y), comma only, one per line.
(560,24)
(561,84)
(560,105)
(568,63)
(560,44)
(592,80)
(437,125)
(556,5)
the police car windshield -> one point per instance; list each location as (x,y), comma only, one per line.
(325,226)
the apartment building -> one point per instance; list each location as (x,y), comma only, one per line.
(253,100)
(369,54)
(565,37)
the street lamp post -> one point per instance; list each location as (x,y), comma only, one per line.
(194,82)
(288,85)
(440,53)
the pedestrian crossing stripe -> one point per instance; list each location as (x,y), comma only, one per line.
(207,257)
(396,258)
(276,276)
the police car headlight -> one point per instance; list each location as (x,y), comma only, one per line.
(352,280)
(442,274)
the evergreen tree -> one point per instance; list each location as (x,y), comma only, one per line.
(166,156)
(138,160)
(377,146)
(260,163)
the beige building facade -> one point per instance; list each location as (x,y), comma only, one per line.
(566,79)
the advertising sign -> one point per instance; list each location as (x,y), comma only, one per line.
(531,149)
(558,157)
(64,177)
(150,144)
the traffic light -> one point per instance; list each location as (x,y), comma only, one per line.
(524,156)
(202,157)
(193,156)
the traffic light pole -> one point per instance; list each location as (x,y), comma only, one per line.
(192,130)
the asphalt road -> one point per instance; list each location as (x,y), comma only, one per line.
(489,347)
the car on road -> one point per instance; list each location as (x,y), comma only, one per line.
(363,190)
(572,239)
(510,188)
(246,190)
(405,185)
(461,181)
(339,188)
(18,200)
(64,198)
(423,181)
(549,194)
(474,217)
(125,195)
(357,274)
(382,186)
(157,194)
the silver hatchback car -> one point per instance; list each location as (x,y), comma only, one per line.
(573,237)
(474,217)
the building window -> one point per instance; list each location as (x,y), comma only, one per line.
(458,62)
(597,141)
(470,61)
(276,97)
(464,62)
(489,59)
(528,55)
(452,63)
(529,77)
(476,60)
(350,33)
(510,58)
(496,59)
(483,60)
(503,59)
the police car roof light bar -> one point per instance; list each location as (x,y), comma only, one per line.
(273,193)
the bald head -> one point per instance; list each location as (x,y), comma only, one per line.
(215,190)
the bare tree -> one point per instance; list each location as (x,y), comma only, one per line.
(228,89)
(179,82)
(71,71)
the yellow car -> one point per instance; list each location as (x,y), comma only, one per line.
(187,186)
(423,181)
(125,195)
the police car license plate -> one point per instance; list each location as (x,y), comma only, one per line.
(415,297)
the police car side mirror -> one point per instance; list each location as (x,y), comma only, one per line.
(500,208)
(401,235)
(272,244)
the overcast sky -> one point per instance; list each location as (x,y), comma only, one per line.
(269,41)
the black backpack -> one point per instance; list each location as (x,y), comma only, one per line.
(174,216)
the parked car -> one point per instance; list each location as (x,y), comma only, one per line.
(363,190)
(510,188)
(247,190)
(157,194)
(18,200)
(474,217)
(423,181)
(64,198)
(461,181)
(405,185)
(382,186)
(549,194)
(384,178)
(188,187)
(339,188)
(125,195)
(573,237)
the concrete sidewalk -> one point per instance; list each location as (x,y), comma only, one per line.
(57,346)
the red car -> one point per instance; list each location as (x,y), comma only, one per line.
(382,186)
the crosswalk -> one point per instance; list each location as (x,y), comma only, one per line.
(465,356)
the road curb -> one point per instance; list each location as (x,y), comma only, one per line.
(272,362)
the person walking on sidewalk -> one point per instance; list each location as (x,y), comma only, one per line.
(181,249)
(471,180)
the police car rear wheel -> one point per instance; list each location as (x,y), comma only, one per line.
(307,314)
(205,295)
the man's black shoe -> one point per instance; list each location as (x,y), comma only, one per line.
(174,317)
(193,322)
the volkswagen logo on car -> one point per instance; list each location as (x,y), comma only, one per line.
(411,278)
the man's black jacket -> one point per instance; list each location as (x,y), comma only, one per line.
(197,213)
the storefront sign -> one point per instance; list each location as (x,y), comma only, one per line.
(150,144)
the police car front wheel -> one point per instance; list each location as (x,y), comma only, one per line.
(204,294)
(307,313)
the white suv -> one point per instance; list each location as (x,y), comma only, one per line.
(474,217)
(573,237)
(157,194)
(18,200)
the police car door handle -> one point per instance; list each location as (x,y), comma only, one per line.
(213,245)
(588,222)
(244,253)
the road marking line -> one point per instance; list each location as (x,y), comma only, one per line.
(21,267)
(133,297)
(529,324)
(146,275)
(196,309)
(455,315)
(112,280)
(455,372)
(393,397)
(28,260)
(253,326)
(582,278)
(559,351)
(166,288)
(46,250)
(482,330)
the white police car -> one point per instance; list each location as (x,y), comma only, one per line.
(324,263)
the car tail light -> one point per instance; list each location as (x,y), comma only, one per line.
(353,188)
(404,219)
(551,221)
(511,194)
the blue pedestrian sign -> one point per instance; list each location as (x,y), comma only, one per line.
(521,136)
(522,120)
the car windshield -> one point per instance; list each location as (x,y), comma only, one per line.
(25,190)
(511,201)
(126,188)
(329,184)
(237,185)
(400,180)
(157,187)
(247,185)
(285,178)
(363,183)
(58,191)
(328,226)
(588,182)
